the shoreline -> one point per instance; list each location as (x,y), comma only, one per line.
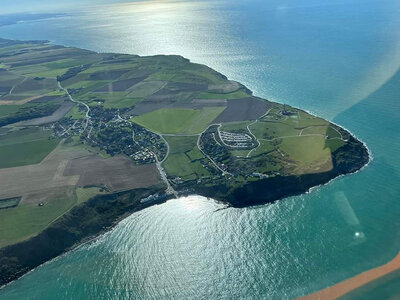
(61,230)
(87,240)
(103,212)
(344,287)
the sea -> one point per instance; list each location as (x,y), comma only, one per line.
(338,59)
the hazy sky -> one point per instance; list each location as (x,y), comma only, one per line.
(15,6)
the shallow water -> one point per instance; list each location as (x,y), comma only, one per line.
(338,59)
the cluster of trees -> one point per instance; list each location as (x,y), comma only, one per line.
(72,72)
(29,112)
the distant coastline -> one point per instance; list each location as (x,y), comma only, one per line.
(11,19)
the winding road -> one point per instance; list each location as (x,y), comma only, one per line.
(87,116)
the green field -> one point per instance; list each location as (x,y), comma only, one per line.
(111,100)
(75,113)
(239,153)
(308,120)
(162,76)
(105,68)
(84,194)
(233,126)
(306,149)
(178,120)
(200,122)
(6,110)
(145,88)
(178,164)
(51,73)
(25,147)
(184,157)
(265,147)
(87,85)
(67,63)
(201,71)
(234,95)
(195,154)
(181,144)
(15,136)
(84,87)
(28,219)
(323,130)
(267,130)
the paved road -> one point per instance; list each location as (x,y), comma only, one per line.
(87,116)
(170,189)
(206,155)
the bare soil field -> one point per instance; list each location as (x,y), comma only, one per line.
(107,75)
(117,173)
(5,89)
(147,106)
(38,57)
(167,95)
(46,99)
(9,83)
(135,73)
(209,102)
(16,99)
(71,167)
(19,181)
(188,87)
(243,109)
(230,87)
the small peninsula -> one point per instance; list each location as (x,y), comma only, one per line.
(88,138)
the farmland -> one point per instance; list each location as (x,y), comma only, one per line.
(179,120)
(185,159)
(66,177)
(91,134)
(25,147)
(28,219)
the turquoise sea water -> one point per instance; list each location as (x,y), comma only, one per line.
(338,59)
